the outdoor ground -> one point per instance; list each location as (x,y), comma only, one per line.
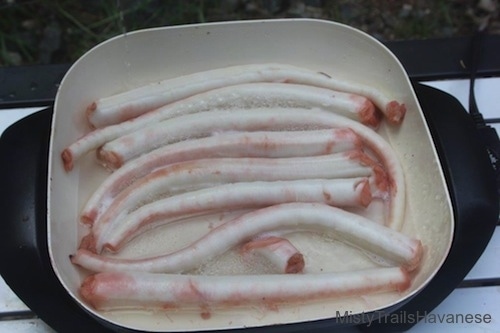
(60,31)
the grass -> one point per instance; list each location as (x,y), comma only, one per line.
(60,31)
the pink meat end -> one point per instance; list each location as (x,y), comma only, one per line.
(295,264)
(67,159)
(395,112)
(369,115)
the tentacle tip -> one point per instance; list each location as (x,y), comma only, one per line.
(109,159)
(92,107)
(365,193)
(395,112)
(295,264)
(88,218)
(67,159)
(90,112)
(205,314)
(369,115)
(88,243)
(73,259)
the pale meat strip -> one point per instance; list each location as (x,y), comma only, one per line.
(280,252)
(205,173)
(124,106)
(138,290)
(244,96)
(358,231)
(201,173)
(387,156)
(133,145)
(205,124)
(338,192)
(232,144)
(371,139)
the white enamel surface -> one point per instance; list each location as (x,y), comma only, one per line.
(152,55)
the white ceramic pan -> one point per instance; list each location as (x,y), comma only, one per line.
(152,55)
